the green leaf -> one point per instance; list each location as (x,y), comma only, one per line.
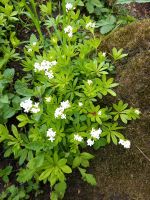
(100,143)
(36,162)
(44,175)
(90,179)
(25,175)
(4,99)
(23,156)
(87,156)
(22,89)
(60,188)
(76,162)
(66,169)
(9,74)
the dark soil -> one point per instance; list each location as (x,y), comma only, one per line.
(138,10)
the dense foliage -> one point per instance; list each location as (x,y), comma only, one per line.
(59,101)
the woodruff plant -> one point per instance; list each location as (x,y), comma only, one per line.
(62,105)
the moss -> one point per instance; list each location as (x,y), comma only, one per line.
(133,38)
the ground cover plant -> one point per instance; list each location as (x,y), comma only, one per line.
(59,103)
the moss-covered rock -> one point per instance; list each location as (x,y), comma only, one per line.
(133,38)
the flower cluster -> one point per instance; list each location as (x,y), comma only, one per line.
(51,134)
(90,142)
(28,106)
(78,138)
(59,112)
(125,143)
(45,66)
(69,6)
(90,25)
(96,133)
(68,30)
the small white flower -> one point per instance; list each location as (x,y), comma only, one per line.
(37,67)
(65,104)
(80,104)
(51,133)
(49,74)
(90,142)
(125,143)
(58,112)
(137,112)
(78,138)
(70,34)
(99,112)
(104,54)
(96,133)
(90,25)
(89,82)
(34,43)
(35,108)
(26,105)
(29,50)
(69,6)
(53,63)
(48,99)
(63,116)
(68,29)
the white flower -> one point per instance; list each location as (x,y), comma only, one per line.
(125,143)
(45,66)
(49,74)
(26,105)
(78,138)
(80,104)
(96,133)
(69,6)
(90,25)
(58,112)
(65,104)
(63,116)
(37,67)
(90,142)
(89,82)
(99,112)
(51,134)
(29,106)
(34,43)
(68,30)
(29,50)
(53,63)
(70,34)
(48,99)
(137,112)
(104,54)
(35,108)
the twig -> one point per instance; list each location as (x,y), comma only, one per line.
(143,153)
